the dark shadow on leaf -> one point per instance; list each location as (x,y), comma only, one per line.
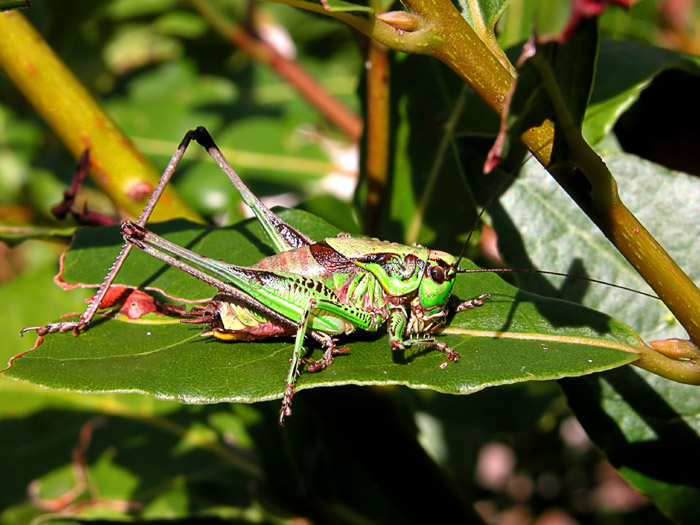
(671,450)
(405,357)
(351,449)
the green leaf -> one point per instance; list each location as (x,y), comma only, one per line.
(484,13)
(6,5)
(514,337)
(572,66)
(536,208)
(649,429)
(625,68)
(13,234)
(522,19)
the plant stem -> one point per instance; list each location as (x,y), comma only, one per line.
(330,107)
(377,136)
(117,167)
(676,361)
(595,190)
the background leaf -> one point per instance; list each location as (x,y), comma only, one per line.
(534,198)
(625,69)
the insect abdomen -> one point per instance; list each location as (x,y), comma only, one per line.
(299,261)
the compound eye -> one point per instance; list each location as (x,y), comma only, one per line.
(437,274)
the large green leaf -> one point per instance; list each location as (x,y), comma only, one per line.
(514,337)
(536,208)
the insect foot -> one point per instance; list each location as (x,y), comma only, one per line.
(52,328)
(325,361)
(450,353)
(471,303)
(286,409)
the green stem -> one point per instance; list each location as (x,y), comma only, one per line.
(117,167)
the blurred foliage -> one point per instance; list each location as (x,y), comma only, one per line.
(348,453)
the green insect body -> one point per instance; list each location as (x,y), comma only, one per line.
(310,289)
(361,282)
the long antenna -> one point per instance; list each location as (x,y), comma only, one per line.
(558,274)
(493,195)
(478,220)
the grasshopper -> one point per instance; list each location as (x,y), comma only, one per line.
(310,289)
(320,290)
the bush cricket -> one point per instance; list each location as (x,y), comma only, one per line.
(319,290)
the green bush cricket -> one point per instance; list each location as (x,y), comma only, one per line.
(317,289)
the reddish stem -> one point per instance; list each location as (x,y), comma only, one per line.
(332,109)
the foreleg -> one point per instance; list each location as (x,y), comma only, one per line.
(471,303)
(397,327)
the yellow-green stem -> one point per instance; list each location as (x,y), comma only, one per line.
(603,205)
(117,167)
